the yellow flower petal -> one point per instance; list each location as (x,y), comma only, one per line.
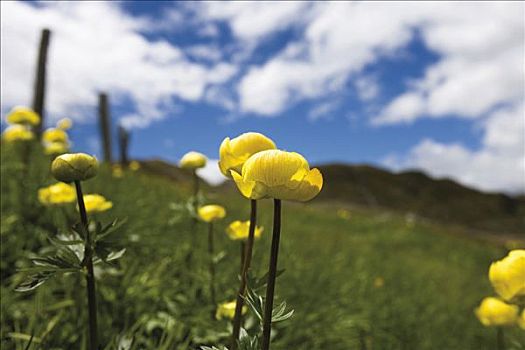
(57,194)
(239,230)
(95,203)
(508,275)
(65,124)
(55,135)
(278,174)
(212,212)
(227,310)
(16,133)
(494,312)
(23,115)
(233,153)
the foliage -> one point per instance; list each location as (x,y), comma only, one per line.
(155,296)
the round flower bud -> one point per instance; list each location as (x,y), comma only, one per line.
(227,310)
(71,167)
(65,124)
(54,135)
(193,160)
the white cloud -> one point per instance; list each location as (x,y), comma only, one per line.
(254,20)
(211,173)
(323,110)
(96,46)
(499,165)
(367,88)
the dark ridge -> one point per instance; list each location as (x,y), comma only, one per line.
(413,191)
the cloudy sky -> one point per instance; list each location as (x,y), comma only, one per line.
(434,86)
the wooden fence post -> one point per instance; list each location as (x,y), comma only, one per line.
(123,137)
(40,79)
(104,120)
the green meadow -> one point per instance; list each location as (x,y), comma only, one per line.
(356,278)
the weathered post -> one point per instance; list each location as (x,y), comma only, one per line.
(123,137)
(40,79)
(104,119)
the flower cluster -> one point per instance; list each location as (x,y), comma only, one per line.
(507,277)
(56,140)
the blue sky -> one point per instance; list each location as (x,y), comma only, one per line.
(400,85)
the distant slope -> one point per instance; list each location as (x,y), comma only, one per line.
(412,191)
(408,192)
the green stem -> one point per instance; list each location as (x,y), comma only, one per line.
(237,318)
(500,338)
(212,264)
(90,276)
(270,287)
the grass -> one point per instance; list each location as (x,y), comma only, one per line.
(157,296)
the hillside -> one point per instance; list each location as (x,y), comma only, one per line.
(414,192)
(411,192)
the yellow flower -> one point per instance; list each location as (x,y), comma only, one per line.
(193,160)
(55,148)
(227,310)
(65,124)
(95,203)
(278,174)
(233,153)
(59,193)
(23,115)
(239,230)
(343,214)
(379,282)
(134,165)
(54,135)
(116,171)
(15,133)
(508,275)
(494,312)
(74,167)
(521,320)
(210,213)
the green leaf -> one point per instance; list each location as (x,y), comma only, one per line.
(105,231)
(34,281)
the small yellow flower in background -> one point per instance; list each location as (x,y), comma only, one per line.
(193,160)
(521,320)
(71,167)
(278,174)
(54,135)
(227,310)
(239,230)
(95,203)
(212,212)
(494,312)
(508,275)
(59,193)
(65,124)
(343,214)
(55,148)
(116,171)
(23,115)
(379,282)
(134,165)
(233,153)
(16,133)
